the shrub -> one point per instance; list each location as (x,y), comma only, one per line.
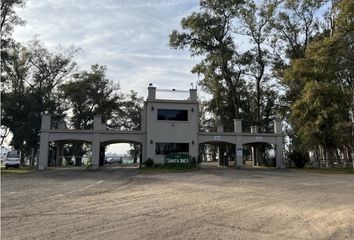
(149,162)
(89,163)
(68,161)
(299,158)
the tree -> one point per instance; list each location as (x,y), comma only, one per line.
(90,94)
(256,24)
(326,74)
(8,21)
(295,25)
(129,116)
(30,78)
(209,33)
(9,18)
(319,117)
(344,38)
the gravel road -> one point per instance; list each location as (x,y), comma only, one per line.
(211,203)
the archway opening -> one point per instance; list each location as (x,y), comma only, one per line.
(73,153)
(216,154)
(121,154)
(259,154)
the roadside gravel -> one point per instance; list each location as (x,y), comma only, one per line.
(211,203)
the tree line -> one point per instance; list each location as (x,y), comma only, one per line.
(261,60)
(268,59)
(36,81)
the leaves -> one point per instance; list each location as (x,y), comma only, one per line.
(89,94)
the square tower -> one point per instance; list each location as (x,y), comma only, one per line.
(171,126)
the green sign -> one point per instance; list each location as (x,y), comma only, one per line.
(177,158)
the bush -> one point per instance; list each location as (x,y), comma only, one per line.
(149,162)
(68,161)
(89,163)
(299,158)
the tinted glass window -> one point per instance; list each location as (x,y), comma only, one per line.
(168,148)
(172,114)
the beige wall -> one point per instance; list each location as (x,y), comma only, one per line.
(162,131)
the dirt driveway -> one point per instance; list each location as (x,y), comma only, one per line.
(205,204)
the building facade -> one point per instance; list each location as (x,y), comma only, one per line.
(168,127)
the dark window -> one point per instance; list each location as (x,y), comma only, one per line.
(172,114)
(168,148)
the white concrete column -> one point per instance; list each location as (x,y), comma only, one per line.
(149,149)
(253,152)
(239,152)
(277,127)
(238,125)
(279,152)
(254,129)
(220,156)
(258,154)
(143,154)
(151,93)
(97,123)
(193,95)
(96,150)
(44,142)
(43,151)
(193,149)
(60,148)
(46,121)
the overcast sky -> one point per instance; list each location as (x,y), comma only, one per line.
(130,37)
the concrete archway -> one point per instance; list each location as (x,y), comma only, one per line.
(136,154)
(259,154)
(217,153)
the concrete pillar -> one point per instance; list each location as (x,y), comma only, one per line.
(277,127)
(149,149)
(220,156)
(62,124)
(59,157)
(194,149)
(279,153)
(254,129)
(43,151)
(44,142)
(239,152)
(238,125)
(46,122)
(102,154)
(97,123)
(193,95)
(96,150)
(257,154)
(142,155)
(253,153)
(151,93)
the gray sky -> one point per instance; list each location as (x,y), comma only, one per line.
(130,37)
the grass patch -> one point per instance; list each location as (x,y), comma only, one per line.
(12,171)
(330,170)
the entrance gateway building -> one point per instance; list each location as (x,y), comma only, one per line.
(168,126)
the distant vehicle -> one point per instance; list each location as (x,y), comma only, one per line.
(112,160)
(13,159)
